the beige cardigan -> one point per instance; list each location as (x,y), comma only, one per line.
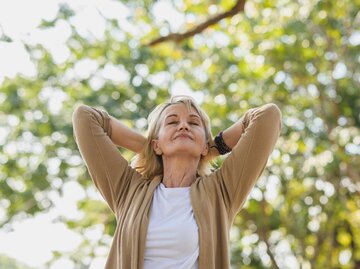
(216,199)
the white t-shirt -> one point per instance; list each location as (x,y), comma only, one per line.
(172,238)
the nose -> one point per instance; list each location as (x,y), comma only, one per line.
(183,125)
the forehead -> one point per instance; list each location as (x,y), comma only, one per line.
(179,109)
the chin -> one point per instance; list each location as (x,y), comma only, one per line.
(184,152)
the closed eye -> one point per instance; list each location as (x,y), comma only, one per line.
(175,122)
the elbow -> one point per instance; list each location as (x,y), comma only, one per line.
(81,116)
(273,110)
(268,113)
(79,112)
(274,113)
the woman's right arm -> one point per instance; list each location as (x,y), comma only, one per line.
(94,130)
(125,137)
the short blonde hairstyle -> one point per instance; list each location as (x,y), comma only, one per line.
(147,162)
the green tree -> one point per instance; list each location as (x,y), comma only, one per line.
(302,55)
(9,263)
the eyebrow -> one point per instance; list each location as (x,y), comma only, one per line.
(175,115)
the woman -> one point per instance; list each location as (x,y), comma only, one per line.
(171,210)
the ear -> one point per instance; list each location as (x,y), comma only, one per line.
(156,147)
(205,150)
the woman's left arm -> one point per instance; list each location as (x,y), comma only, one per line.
(252,139)
(230,136)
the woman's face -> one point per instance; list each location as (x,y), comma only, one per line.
(181,133)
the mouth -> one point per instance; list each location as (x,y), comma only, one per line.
(182,136)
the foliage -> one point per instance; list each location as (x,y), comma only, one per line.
(301,55)
(8,263)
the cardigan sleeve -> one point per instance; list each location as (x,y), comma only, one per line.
(109,171)
(244,165)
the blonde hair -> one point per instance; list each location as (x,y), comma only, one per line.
(147,162)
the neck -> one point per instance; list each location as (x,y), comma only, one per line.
(179,171)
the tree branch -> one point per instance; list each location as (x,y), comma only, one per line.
(238,7)
(263,234)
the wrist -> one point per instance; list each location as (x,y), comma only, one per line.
(220,144)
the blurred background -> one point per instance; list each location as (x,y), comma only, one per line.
(303,55)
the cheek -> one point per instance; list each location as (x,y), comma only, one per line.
(201,137)
(163,135)
(202,134)
(161,131)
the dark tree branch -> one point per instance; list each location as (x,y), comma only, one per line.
(263,234)
(238,7)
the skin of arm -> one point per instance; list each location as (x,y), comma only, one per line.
(231,136)
(125,137)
